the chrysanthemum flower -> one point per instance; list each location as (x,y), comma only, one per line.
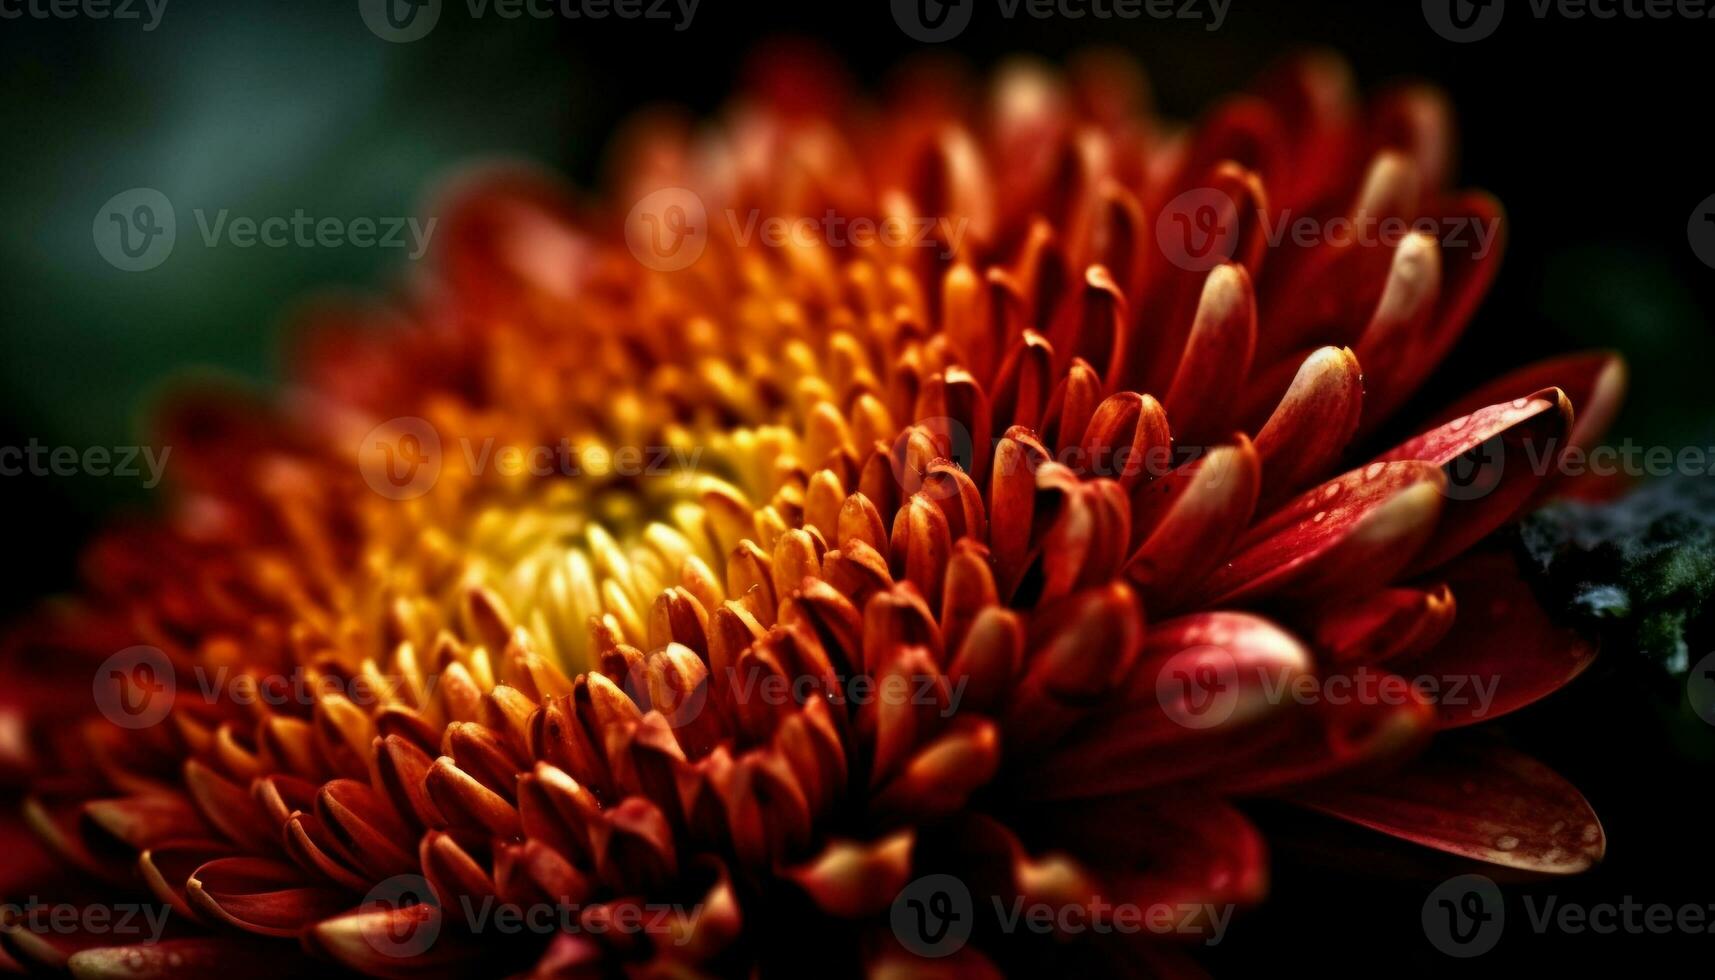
(1023,548)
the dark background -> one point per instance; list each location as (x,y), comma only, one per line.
(1593,134)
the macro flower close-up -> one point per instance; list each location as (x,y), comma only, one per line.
(968,521)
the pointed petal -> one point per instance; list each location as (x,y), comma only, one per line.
(1488,803)
(1217,359)
(1351,534)
(1495,459)
(1313,423)
(1191,518)
(1503,651)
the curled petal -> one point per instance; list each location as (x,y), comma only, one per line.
(261,896)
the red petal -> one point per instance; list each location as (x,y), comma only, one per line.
(1595,383)
(1488,803)
(1503,651)
(1313,423)
(1191,518)
(1391,623)
(1217,361)
(1200,685)
(261,896)
(1352,533)
(1495,458)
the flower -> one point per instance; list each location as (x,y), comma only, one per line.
(868,516)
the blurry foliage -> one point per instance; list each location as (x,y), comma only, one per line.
(258,109)
(1639,572)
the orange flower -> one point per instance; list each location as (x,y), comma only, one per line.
(875,516)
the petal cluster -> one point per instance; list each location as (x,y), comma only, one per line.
(729,598)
